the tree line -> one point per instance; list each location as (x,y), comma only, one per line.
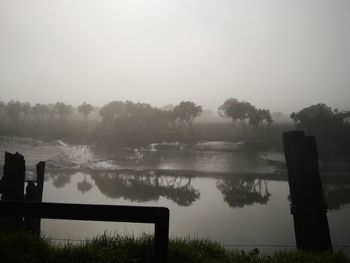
(17,111)
(185,112)
(130,123)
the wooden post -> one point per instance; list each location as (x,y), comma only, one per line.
(161,236)
(35,194)
(12,185)
(13,179)
(40,174)
(308,206)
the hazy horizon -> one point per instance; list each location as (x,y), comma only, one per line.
(276,54)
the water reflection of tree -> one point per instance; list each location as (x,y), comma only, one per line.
(336,195)
(148,187)
(239,192)
(59,180)
(85,185)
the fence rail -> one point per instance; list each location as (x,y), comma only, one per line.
(135,214)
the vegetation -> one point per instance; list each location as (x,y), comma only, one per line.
(129,124)
(24,247)
(186,112)
(85,109)
(244,112)
(329,126)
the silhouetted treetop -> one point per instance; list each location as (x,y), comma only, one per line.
(319,118)
(236,110)
(63,109)
(187,111)
(242,111)
(85,109)
(13,110)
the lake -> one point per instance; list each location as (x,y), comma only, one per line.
(216,190)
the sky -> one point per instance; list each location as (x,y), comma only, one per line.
(277,54)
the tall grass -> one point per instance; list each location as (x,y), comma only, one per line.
(25,247)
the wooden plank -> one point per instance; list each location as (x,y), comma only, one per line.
(136,214)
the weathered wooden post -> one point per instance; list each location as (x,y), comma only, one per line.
(12,185)
(161,236)
(40,174)
(308,206)
(35,194)
(13,178)
(12,189)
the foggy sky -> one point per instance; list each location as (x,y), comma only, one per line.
(277,54)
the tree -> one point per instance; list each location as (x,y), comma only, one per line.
(329,127)
(52,111)
(63,109)
(131,124)
(2,107)
(295,118)
(13,110)
(255,117)
(186,112)
(85,109)
(112,110)
(26,108)
(40,110)
(236,110)
(321,121)
(316,118)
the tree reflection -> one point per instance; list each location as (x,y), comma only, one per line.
(85,185)
(148,187)
(59,180)
(336,195)
(240,192)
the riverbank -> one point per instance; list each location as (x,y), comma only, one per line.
(78,132)
(24,247)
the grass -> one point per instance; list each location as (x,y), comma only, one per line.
(107,248)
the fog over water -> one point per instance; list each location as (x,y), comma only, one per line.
(181,104)
(214,190)
(282,55)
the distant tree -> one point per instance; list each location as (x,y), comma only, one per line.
(236,110)
(131,124)
(85,109)
(329,127)
(13,110)
(26,108)
(52,111)
(63,109)
(267,117)
(255,117)
(112,110)
(294,118)
(320,119)
(186,112)
(39,111)
(2,107)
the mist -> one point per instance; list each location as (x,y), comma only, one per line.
(188,130)
(281,55)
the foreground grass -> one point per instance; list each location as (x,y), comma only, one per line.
(24,247)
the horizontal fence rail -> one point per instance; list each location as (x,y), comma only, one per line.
(114,213)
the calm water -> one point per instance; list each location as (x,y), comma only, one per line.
(214,190)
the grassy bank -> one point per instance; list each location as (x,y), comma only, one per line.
(23,247)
